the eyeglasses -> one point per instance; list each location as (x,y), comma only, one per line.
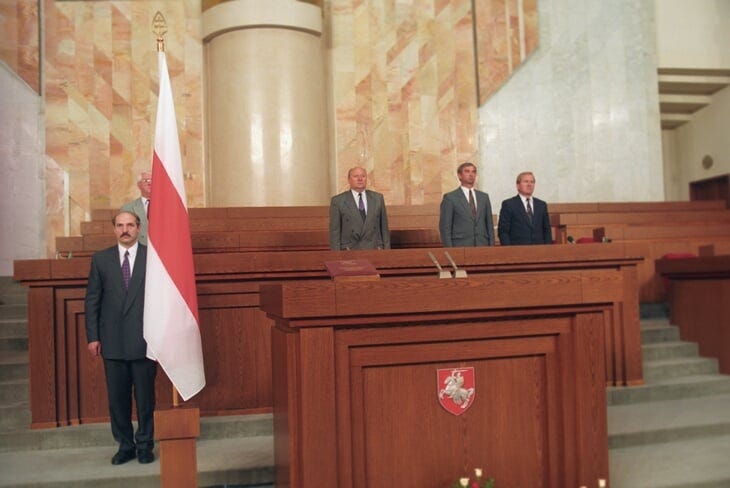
(146,180)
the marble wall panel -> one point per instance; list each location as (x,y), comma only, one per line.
(506,33)
(583,112)
(22,201)
(100,82)
(19,42)
(403,89)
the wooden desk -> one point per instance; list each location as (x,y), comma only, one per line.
(67,386)
(699,302)
(356,385)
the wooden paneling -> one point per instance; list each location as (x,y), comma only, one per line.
(699,303)
(715,188)
(66,383)
(367,377)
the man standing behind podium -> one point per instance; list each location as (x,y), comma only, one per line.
(524,219)
(466,213)
(114,309)
(358,219)
(140,206)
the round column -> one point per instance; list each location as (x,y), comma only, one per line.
(266,137)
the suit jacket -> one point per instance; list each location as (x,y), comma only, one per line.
(137,206)
(457,226)
(515,227)
(113,314)
(349,231)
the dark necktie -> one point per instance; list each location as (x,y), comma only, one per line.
(529,209)
(472,204)
(126,272)
(361,206)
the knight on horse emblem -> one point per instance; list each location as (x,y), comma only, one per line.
(456,389)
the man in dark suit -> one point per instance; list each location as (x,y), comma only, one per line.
(140,206)
(466,213)
(358,219)
(114,311)
(524,219)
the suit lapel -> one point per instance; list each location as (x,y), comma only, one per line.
(464,201)
(351,206)
(115,271)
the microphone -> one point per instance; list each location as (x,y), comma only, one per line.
(442,272)
(458,273)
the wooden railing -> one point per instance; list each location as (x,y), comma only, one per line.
(652,228)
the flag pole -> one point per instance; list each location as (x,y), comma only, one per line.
(171,324)
(159,27)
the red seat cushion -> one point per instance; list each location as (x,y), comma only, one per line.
(678,255)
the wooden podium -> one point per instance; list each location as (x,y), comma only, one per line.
(356,385)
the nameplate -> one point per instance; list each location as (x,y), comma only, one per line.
(352,270)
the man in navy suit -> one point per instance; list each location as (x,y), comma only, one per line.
(466,214)
(524,219)
(358,219)
(114,311)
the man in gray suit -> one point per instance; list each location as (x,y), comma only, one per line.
(358,219)
(466,213)
(140,206)
(114,312)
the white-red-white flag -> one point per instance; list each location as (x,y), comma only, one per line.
(171,324)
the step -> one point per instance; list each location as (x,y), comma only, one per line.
(17,343)
(678,367)
(652,310)
(14,297)
(668,350)
(99,435)
(668,421)
(698,463)
(235,461)
(673,388)
(14,416)
(14,390)
(13,365)
(13,327)
(14,311)
(658,332)
(11,291)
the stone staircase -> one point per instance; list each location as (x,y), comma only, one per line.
(233,451)
(673,431)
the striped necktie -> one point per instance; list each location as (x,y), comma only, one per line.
(126,271)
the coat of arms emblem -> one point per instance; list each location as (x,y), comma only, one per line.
(456,389)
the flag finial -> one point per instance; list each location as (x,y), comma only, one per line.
(159,28)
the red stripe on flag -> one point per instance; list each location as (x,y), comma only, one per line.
(169,231)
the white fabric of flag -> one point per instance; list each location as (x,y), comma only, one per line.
(171,324)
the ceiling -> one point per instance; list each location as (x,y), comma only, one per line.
(682,92)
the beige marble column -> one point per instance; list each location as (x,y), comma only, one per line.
(266,137)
